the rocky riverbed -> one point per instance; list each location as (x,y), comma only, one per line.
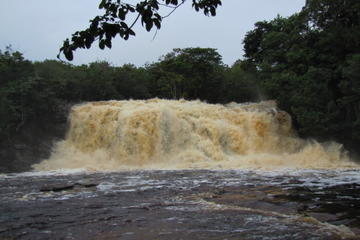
(182,204)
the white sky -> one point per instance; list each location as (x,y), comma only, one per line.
(37,28)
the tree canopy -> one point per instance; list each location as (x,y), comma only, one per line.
(309,62)
(192,73)
(29,90)
(120,17)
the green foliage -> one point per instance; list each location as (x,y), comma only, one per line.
(114,22)
(309,63)
(350,99)
(240,84)
(22,93)
(192,73)
(131,82)
(29,90)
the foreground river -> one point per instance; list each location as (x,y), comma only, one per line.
(181,204)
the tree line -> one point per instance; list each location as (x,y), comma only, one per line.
(308,62)
(31,89)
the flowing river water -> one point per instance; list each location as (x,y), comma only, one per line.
(161,169)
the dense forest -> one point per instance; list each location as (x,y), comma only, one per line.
(31,89)
(308,62)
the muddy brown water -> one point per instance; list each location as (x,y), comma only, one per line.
(190,204)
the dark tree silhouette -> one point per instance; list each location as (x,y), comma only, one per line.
(120,17)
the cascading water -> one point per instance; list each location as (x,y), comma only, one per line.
(270,192)
(169,134)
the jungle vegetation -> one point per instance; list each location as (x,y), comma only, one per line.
(308,62)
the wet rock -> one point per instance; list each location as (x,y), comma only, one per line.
(323,217)
(56,188)
(66,187)
(205,205)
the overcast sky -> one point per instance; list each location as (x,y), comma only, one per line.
(37,28)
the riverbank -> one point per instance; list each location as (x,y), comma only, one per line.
(192,204)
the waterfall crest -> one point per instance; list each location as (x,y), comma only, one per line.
(180,134)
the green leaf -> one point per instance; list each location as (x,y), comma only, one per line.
(122,14)
(130,8)
(131,32)
(206,11)
(213,11)
(102,44)
(148,25)
(157,23)
(68,54)
(124,25)
(108,42)
(102,4)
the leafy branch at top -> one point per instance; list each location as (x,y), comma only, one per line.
(114,22)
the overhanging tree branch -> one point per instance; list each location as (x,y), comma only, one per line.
(174,9)
(114,21)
